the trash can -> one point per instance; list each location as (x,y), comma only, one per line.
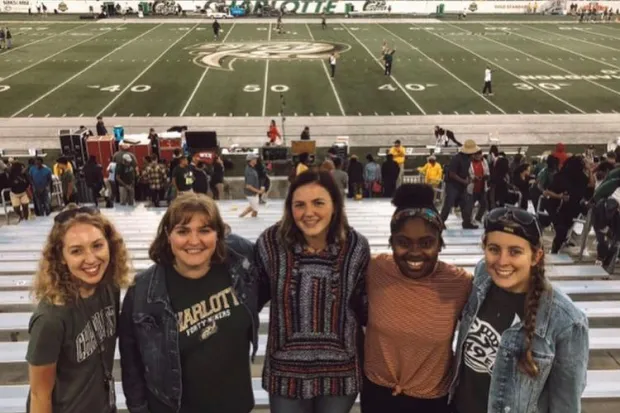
(348,8)
(440,9)
(146,8)
(119,133)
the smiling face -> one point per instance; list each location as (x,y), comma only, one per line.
(416,248)
(193,244)
(510,260)
(312,210)
(86,253)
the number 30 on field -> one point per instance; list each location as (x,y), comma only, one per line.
(257,88)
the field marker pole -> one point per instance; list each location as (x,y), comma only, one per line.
(547,63)
(202,78)
(54,55)
(96,62)
(380,65)
(266,76)
(331,82)
(567,50)
(444,69)
(534,85)
(41,40)
(146,69)
(575,38)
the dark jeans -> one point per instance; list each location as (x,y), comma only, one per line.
(155,196)
(481,198)
(323,404)
(454,195)
(42,201)
(562,224)
(487,88)
(379,399)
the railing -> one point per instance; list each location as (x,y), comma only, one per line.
(7,211)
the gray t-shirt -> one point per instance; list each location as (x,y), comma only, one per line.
(251,178)
(62,335)
(342,180)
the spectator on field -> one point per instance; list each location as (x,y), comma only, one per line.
(398,153)
(404,298)
(67,181)
(389,172)
(356,177)
(560,153)
(2,43)
(217,178)
(372,177)
(73,329)
(478,177)
(432,171)
(156,175)
(275,138)
(100,127)
(201,179)
(126,180)
(196,263)
(93,176)
(340,176)
(182,177)
(9,38)
(305,134)
(252,188)
(19,185)
(313,239)
(41,177)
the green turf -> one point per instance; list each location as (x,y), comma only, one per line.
(77,69)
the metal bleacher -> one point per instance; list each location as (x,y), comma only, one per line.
(20,248)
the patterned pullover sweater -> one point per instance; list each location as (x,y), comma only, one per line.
(318,303)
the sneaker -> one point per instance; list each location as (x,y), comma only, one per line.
(470,226)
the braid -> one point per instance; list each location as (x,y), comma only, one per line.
(537,286)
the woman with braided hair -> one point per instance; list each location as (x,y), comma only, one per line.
(522,344)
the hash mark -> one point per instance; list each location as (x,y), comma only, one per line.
(536,112)
(567,111)
(114,115)
(488,113)
(214,114)
(455,112)
(64,115)
(472,112)
(81,115)
(376,114)
(148,115)
(164,115)
(520,113)
(47,116)
(551,112)
(30,115)
(408,114)
(598,111)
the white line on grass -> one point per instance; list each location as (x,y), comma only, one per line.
(146,69)
(547,63)
(202,77)
(331,82)
(41,40)
(566,50)
(96,62)
(266,76)
(574,38)
(444,69)
(602,34)
(508,71)
(54,55)
(380,65)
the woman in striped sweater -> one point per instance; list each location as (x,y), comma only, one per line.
(414,301)
(312,265)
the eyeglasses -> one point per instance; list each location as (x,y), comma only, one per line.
(64,216)
(515,215)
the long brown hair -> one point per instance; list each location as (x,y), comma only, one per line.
(180,212)
(54,282)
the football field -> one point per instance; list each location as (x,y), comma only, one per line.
(179,69)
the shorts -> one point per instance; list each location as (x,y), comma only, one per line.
(254,201)
(19,199)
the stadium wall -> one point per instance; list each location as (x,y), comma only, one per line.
(419,7)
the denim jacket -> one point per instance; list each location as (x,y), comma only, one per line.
(148,332)
(560,348)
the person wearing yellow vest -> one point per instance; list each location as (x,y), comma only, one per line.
(398,152)
(432,171)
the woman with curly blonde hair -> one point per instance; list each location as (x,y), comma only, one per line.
(73,329)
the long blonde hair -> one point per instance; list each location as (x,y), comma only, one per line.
(53,281)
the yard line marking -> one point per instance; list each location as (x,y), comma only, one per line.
(148,115)
(40,98)
(536,112)
(41,40)
(510,73)
(114,115)
(521,113)
(445,70)
(331,82)
(81,115)
(266,76)
(202,78)
(472,112)
(552,65)
(359,113)
(30,115)
(582,56)
(47,116)
(567,111)
(598,111)
(380,65)
(146,69)
(131,115)
(54,55)
(551,112)
(164,115)
(408,114)
(575,38)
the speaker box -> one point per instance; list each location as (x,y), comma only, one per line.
(74,146)
(299,147)
(201,140)
(270,153)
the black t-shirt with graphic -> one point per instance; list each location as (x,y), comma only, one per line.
(184,178)
(500,310)
(214,340)
(63,335)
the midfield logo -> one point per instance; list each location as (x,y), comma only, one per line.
(222,55)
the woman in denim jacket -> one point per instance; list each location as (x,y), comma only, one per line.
(522,344)
(188,321)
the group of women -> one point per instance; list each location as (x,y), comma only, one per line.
(342,322)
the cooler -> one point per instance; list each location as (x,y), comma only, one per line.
(119,133)
(168,142)
(102,147)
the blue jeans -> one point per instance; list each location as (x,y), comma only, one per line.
(322,404)
(42,200)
